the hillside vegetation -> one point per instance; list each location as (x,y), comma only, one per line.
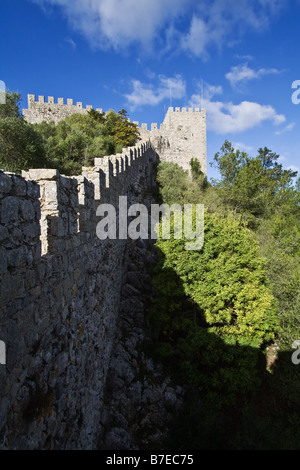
(225,317)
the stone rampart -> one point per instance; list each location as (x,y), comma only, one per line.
(59,299)
(181,136)
(43,110)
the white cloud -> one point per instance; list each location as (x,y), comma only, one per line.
(221,23)
(226,117)
(241,74)
(198,38)
(246,57)
(146,94)
(119,24)
(287,128)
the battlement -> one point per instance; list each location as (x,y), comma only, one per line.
(174,113)
(184,110)
(68,203)
(60,291)
(32,102)
(181,136)
(47,110)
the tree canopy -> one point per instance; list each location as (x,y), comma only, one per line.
(68,145)
(225,317)
(21,147)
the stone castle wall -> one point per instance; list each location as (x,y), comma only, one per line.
(41,110)
(59,299)
(60,286)
(181,136)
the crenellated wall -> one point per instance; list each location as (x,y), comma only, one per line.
(181,137)
(43,110)
(59,298)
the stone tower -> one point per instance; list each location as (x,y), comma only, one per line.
(181,137)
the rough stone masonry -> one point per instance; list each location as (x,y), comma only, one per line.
(60,293)
(181,136)
(62,301)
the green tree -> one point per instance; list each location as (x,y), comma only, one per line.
(217,297)
(75,141)
(11,108)
(173,182)
(124,132)
(252,186)
(21,147)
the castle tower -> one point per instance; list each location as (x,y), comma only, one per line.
(181,137)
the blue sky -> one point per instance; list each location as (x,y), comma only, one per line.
(236,58)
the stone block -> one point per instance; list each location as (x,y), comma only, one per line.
(33,190)
(10,209)
(5,183)
(16,257)
(31,232)
(43,174)
(57,227)
(3,261)
(19,186)
(27,210)
(3,233)
(51,196)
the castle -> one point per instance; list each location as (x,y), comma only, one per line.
(42,110)
(64,292)
(181,136)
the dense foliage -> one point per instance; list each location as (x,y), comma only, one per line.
(20,146)
(225,316)
(213,307)
(68,145)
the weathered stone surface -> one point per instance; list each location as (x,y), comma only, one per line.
(5,183)
(19,186)
(43,174)
(10,209)
(40,110)
(139,395)
(59,307)
(27,210)
(181,136)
